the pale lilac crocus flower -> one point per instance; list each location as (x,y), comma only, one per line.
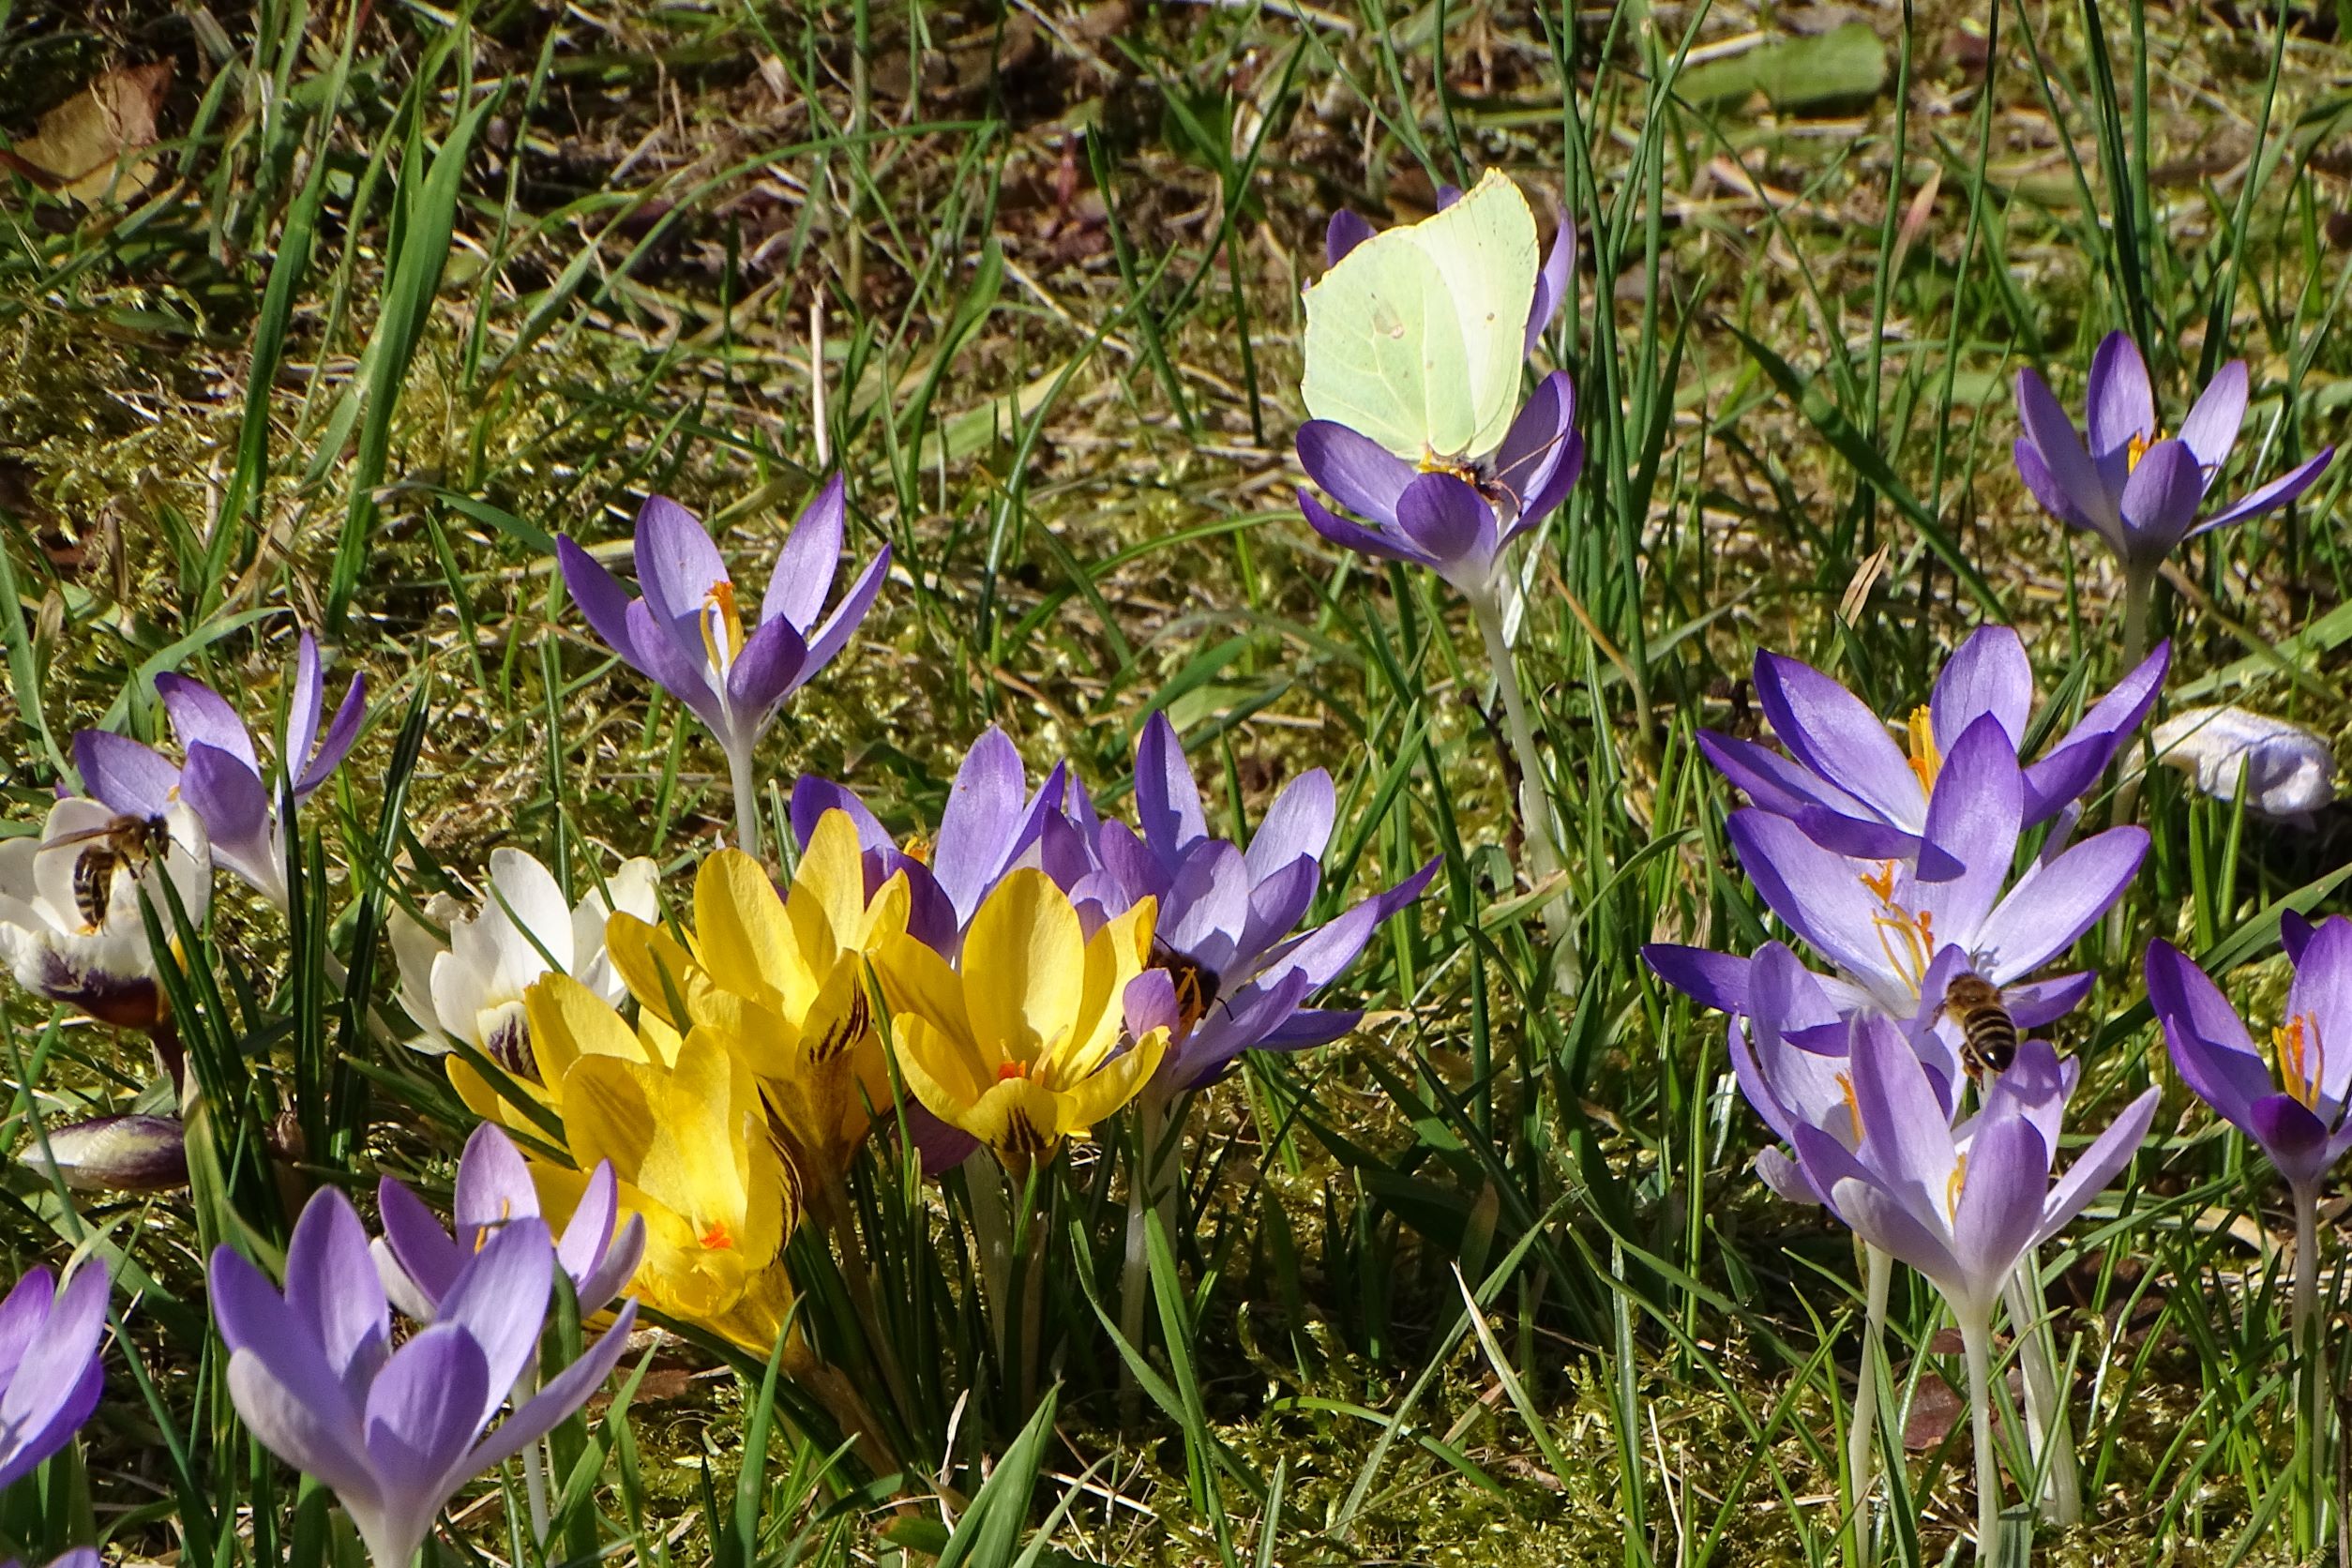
(223,780)
(395,1433)
(1964,1206)
(80,1557)
(1852,789)
(687,634)
(50,1366)
(419,1262)
(1897,939)
(2137,489)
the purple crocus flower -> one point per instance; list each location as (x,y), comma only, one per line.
(1964,1204)
(1456,523)
(1853,790)
(2133,486)
(49,1367)
(687,634)
(80,1557)
(395,1433)
(1896,939)
(419,1262)
(1227,914)
(114,1154)
(2294,1102)
(223,781)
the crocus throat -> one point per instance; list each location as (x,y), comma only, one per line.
(2301,1058)
(1908,938)
(722,628)
(1926,761)
(2137,446)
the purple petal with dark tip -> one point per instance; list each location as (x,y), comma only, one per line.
(2055,500)
(1355,537)
(602,599)
(1452,525)
(764,673)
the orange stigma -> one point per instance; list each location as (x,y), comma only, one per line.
(1853,1106)
(722,628)
(1008,1071)
(2300,1059)
(717,1238)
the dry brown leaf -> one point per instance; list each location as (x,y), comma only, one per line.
(77,145)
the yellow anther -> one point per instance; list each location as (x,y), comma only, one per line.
(917,848)
(1853,1106)
(1926,761)
(1882,882)
(721,624)
(2300,1058)
(1951,1188)
(2136,449)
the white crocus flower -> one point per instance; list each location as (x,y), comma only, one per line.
(2287,772)
(51,885)
(471,991)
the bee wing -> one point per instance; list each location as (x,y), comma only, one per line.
(79,836)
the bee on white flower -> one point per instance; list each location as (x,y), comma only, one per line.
(70,928)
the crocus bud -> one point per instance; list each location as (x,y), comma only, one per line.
(115,1154)
(2287,770)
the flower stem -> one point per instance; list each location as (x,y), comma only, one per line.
(1538,824)
(2139,592)
(1861,1453)
(1976,1340)
(746,788)
(2312,1351)
(534,1460)
(2047,1429)
(984,1185)
(1147,1189)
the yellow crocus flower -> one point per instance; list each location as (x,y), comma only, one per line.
(682,1121)
(1018,1044)
(581,1024)
(783,978)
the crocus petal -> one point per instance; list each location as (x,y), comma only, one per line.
(2210,1044)
(765,672)
(255,1320)
(1905,1123)
(2211,429)
(1829,730)
(2067,466)
(295,1425)
(199,714)
(333,1292)
(2035,1003)
(1973,820)
(2055,500)
(131,778)
(424,1413)
(1344,233)
(2322,993)
(1711,979)
(1297,825)
(812,797)
(493,1183)
(1166,801)
(1986,674)
(1453,525)
(2277,493)
(810,559)
(2000,1210)
(500,1301)
(589,1231)
(2076,762)
(678,565)
(831,638)
(337,743)
(2057,900)
(2295,1140)
(1881,1220)
(1537,441)
(2096,1165)
(2294,934)
(564,1394)
(602,599)
(686,677)
(1360,473)
(235,807)
(1553,283)
(976,828)
(1354,536)
(2121,404)
(423,1251)
(2160,501)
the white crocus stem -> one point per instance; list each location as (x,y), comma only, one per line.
(2311,1348)
(2047,1429)
(746,787)
(1538,824)
(1151,1188)
(1976,1340)
(1861,1453)
(533,1470)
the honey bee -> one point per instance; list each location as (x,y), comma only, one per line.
(1988,1034)
(121,843)
(1196,984)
